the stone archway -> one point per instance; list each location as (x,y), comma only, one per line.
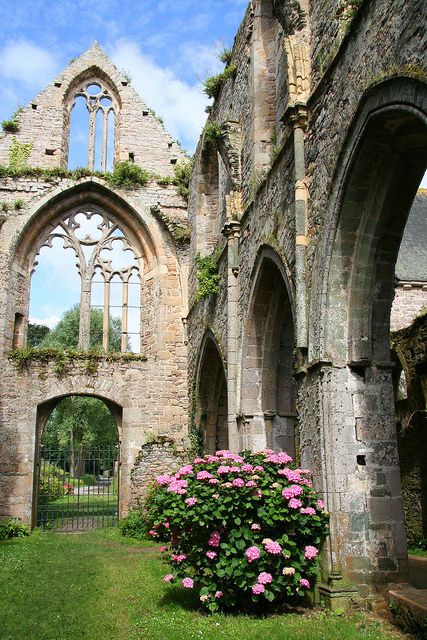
(211,414)
(77,463)
(350,437)
(268,389)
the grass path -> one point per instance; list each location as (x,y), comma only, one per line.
(93,586)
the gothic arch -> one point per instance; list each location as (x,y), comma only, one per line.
(211,393)
(268,389)
(90,194)
(379,171)
(380,168)
(105,102)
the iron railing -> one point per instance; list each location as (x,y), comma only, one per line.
(77,489)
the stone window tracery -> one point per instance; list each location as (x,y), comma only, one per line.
(92,123)
(110,270)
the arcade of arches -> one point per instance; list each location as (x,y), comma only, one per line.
(302,201)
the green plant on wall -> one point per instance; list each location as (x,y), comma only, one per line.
(212,85)
(127,174)
(12,125)
(207,277)
(19,153)
(212,134)
(182,171)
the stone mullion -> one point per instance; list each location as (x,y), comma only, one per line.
(104,141)
(106,315)
(92,135)
(125,302)
(84,324)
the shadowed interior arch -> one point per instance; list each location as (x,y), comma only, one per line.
(268,393)
(212,399)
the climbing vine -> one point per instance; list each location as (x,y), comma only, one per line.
(18,154)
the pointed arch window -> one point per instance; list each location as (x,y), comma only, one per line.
(110,270)
(93,112)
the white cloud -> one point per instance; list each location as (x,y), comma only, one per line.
(50,322)
(181,105)
(25,62)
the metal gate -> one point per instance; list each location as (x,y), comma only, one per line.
(77,489)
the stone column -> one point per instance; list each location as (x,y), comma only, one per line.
(231,231)
(349,441)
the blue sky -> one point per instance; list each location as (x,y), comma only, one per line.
(168,47)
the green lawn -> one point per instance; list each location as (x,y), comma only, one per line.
(98,586)
(73,509)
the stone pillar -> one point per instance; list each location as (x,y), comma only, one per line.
(231,231)
(349,442)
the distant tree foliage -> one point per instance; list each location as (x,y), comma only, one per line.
(66,333)
(78,423)
(36,334)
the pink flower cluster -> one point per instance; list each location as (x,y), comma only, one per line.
(204,475)
(294,503)
(168,577)
(265,578)
(188,583)
(310,552)
(186,470)
(211,554)
(271,546)
(178,486)
(179,558)
(238,482)
(279,458)
(191,502)
(308,511)
(214,539)
(164,479)
(258,588)
(304,583)
(252,553)
(292,491)
(256,527)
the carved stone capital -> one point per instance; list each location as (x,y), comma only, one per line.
(296,115)
(231,229)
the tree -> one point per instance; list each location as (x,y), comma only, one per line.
(79,422)
(66,333)
(36,334)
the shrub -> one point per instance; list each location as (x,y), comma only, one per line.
(207,277)
(51,483)
(212,134)
(182,171)
(133,525)
(12,125)
(212,85)
(13,528)
(241,528)
(127,174)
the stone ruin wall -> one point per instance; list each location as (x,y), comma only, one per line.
(152,395)
(352,51)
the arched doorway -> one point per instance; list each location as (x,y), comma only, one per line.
(211,414)
(268,388)
(77,470)
(349,385)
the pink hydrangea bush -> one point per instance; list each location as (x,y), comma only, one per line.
(240,528)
